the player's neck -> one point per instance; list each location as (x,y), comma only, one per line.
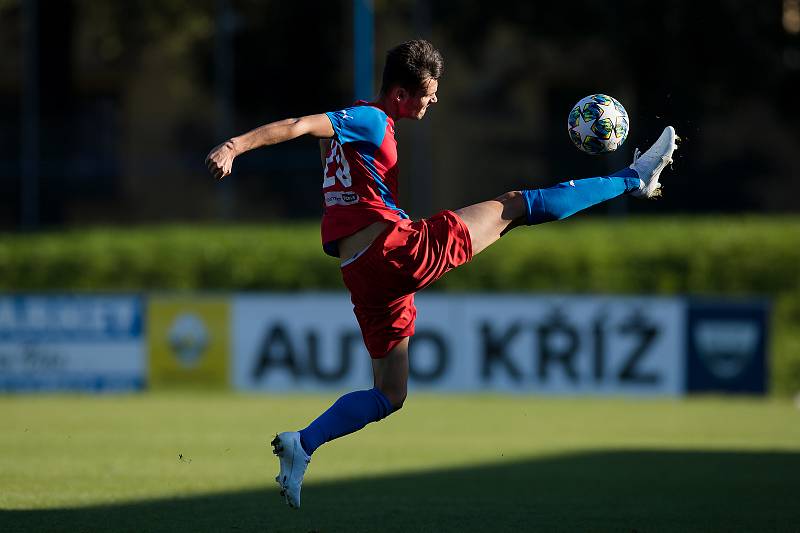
(390,107)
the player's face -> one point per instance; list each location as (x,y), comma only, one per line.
(415,105)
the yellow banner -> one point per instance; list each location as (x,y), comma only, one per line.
(188,340)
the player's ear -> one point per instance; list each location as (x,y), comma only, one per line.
(400,94)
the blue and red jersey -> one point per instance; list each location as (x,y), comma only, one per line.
(360,175)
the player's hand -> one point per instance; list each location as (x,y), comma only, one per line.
(220,160)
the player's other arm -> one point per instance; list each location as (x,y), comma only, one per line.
(220,159)
(324,148)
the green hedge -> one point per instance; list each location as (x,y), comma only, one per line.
(733,256)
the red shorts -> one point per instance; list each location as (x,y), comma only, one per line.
(406,257)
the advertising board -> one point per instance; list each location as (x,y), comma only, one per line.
(71,342)
(480,342)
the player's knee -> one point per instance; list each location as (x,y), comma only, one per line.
(510,196)
(396,398)
(513,204)
(399,401)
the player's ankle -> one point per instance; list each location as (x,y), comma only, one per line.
(304,445)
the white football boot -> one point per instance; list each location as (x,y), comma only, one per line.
(650,164)
(294,462)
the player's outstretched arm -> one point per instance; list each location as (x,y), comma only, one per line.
(220,160)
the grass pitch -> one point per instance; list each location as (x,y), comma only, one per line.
(201,462)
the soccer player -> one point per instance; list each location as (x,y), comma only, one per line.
(385,256)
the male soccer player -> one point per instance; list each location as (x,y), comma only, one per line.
(386,257)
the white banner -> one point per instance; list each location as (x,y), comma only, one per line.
(478,342)
(75,342)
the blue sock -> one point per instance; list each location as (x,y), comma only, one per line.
(565,199)
(349,413)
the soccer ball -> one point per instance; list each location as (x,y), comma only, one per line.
(598,124)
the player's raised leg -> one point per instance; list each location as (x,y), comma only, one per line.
(487,221)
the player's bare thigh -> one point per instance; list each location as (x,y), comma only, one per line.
(487,221)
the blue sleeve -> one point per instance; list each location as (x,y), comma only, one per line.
(359,124)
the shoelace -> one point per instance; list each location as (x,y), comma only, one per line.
(637,153)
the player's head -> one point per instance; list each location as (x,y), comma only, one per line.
(411,77)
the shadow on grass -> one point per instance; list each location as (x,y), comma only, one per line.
(595,491)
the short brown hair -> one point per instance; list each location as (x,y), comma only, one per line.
(411,63)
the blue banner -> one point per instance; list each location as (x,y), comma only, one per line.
(727,346)
(72,342)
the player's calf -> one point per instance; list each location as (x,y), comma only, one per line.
(566,199)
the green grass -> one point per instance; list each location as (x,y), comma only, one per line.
(443,463)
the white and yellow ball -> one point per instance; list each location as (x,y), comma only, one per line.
(598,124)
